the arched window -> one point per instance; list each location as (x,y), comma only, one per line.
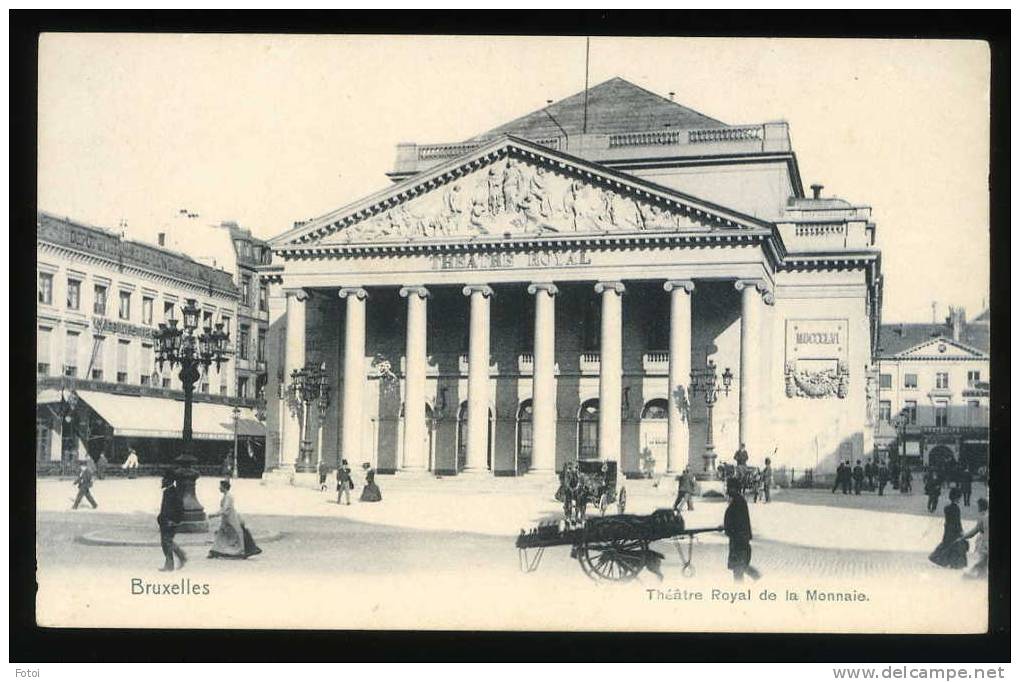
(655,409)
(525,436)
(588,430)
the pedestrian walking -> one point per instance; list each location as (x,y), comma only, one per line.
(858,478)
(685,490)
(907,480)
(101,468)
(933,489)
(952,551)
(84,482)
(131,463)
(848,472)
(838,483)
(966,485)
(323,473)
(869,474)
(737,526)
(371,492)
(980,567)
(894,475)
(232,539)
(171,513)
(766,479)
(344,483)
(883,478)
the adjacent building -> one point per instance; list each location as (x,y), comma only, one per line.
(933,391)
(615,277)
(99,298)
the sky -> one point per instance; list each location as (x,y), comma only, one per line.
(267,130)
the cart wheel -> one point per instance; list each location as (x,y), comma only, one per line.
(621,501)
(688,570)
(618,559)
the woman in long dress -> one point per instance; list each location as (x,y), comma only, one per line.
(232,539)
(371,492)
(952,551)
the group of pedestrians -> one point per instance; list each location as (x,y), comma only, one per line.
(345,483)
(232,539)
(871,476)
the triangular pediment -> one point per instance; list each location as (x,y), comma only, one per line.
(511,187)
(942,348)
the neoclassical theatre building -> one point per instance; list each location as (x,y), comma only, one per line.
(564,286)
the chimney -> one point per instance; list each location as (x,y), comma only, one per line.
(816,191)
(161,238)
(957,318)
(671,95)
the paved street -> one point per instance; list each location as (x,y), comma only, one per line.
(451,534)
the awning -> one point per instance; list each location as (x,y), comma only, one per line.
(48,396)
(147,417)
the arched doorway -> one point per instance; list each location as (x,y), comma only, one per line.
(588,430)
(525,437)
(654,437)
(428,439)
(940,456)
(462,427)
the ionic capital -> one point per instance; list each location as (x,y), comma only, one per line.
(684,284)
(419,291)
(484,289)
(547,287)
(613,285)
(299,295)
(358,292)
(760,285)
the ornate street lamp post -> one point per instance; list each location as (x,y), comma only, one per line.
(706,382)
(237,415)
(308,385)
(194,350)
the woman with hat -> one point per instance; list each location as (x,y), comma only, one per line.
(737,526)
(232,539)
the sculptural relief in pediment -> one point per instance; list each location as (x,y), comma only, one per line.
(511,196)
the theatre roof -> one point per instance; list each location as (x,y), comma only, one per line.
(615,106)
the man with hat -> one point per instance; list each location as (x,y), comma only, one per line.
(737,526)
(171,513)
(84,482)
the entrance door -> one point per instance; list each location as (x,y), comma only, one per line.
(654,437)
(588,430)
(525,437)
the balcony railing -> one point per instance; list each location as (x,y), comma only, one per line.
(590,362)
(655,362)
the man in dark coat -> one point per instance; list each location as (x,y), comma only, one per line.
(858,478)
(171,513)
(685,490)
(966,485)
(883,478)
(839,478)
(848,474)
(933,489)
(84,482)
(737,526)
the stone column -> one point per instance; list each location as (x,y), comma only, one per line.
(478,378)
(543,392)
(294,358)
(610,370)
(354,375)
(415,362)
(681,325)
(751,302)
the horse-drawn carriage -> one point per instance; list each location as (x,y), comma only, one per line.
(612,548)
(750,479)
(589,482)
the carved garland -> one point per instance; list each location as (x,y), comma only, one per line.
(823,384)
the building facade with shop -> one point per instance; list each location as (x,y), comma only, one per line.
(545,293)
(934,388)
(99,299)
